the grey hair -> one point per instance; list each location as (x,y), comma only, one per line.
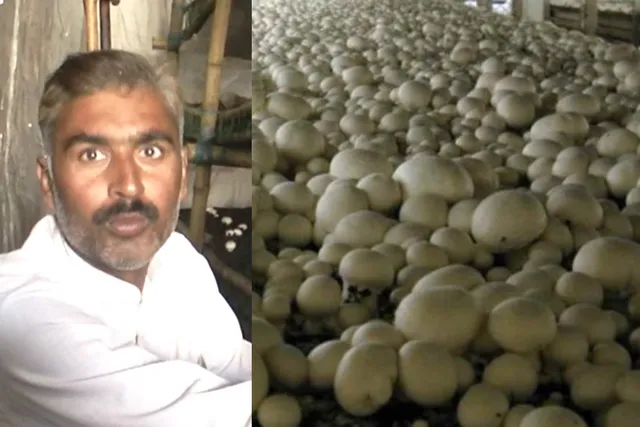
(86,73)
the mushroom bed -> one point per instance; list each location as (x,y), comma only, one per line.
(618,6)
(445,222)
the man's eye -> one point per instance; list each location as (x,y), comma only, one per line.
(91,155)
(152,152)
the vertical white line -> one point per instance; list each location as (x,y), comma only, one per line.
(8,136)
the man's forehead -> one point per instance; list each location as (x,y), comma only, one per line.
(116,114)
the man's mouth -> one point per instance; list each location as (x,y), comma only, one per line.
(127,225)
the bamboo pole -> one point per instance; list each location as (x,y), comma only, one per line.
(91,24)
(220,24)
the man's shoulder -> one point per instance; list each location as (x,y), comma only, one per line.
(16,267)
(19,275)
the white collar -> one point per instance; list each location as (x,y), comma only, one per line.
(57,261)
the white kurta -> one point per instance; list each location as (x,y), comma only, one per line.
(81,348)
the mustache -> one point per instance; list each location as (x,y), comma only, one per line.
(135,206)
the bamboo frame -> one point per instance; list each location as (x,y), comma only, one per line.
(202,180)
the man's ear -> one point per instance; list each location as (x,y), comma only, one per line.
(46,182)
(184,189)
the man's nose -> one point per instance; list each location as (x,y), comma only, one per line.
(126,181)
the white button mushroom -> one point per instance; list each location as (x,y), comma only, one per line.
(445,315)
(482,406)
(552,416)
(319,296)
(323,363)
(625,414)
(365,378)
(260,380)
(428,373)
(280,410)
(516,414)
(378,331)
(628,387)
(513,374)
(366,271)
(570,345)
(594,388)
(287,366)
(522,324)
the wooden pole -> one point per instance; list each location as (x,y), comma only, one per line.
(91,24)
(635,31)
(175,27)
(219,27)
(105,24)
(590,17)
(516,9)
(485,5)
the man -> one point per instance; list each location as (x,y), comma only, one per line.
(108,317)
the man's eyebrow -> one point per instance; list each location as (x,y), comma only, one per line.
(141,138)
(84,138)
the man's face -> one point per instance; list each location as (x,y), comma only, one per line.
(118,177)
